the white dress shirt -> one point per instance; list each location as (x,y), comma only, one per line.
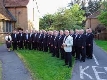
(6,38)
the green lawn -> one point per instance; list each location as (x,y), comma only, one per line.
(44,67)
(102,44)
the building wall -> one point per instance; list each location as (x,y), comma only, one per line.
(33,15)
(92,23)
(20,13)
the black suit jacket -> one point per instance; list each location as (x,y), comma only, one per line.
(55,42)
(51,40)
(82,40)
(75,42)
(89,38)
(14,38)
(20,37)
(60,40)
(30,37)
(45,38)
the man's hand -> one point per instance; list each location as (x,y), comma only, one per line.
(89,44)
(64,45)
(82,47)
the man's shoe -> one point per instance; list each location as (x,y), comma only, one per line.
(69,66)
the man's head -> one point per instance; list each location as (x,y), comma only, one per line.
(61,32)
(66,32)
(71,32)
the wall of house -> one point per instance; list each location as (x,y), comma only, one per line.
(92,23)
(20,13)
(33,15)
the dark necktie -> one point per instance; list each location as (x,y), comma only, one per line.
(65,39)
(8,38)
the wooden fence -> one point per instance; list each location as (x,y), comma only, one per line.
(101,36)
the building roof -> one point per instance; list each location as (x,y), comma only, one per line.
(94,15)
(15,3)
(4,13)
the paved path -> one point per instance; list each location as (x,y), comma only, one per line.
(92,69)
(12,66)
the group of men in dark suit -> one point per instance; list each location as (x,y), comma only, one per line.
(52,41)
(82,44)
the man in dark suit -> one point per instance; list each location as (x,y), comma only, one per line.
(40,40)
(76,44)
(60,42)
(14,40)
(55,45)
(82,44)
(89,44)
(30,40)
(48,41)
(26,39)
(33,39)
(73,47)
(21,39)
(51,41)
(45,45)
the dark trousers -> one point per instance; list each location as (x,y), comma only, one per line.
(30,45)
(14,45)
(77,52)
(73,50)
(68,58)
(40,45)
(21,45)
(89,51)
(26,44)
(55,52)
(33,45)
(49,45)
(45,47)
(83,53)
(36,45)
(62,53)
(51,49)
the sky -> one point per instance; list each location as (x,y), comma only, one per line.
(50,6)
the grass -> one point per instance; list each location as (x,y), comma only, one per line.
(44,67)
(102,44)
(1,44)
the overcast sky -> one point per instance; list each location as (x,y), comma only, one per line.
(51,6)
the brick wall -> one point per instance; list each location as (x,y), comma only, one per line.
(20,13)
(93,23)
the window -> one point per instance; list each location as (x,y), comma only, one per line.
(7,27)
(33,14)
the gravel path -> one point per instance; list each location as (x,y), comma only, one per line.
(12,67)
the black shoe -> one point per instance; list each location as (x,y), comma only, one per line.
(69,66)
(82,60)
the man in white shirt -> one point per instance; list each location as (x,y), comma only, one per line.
(67,44)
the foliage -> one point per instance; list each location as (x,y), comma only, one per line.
(93,5)
(103,17)
(102,44)
(63,19)
(45,67)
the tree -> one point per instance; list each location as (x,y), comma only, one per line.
(63,18)
(46,21)
(103,16)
